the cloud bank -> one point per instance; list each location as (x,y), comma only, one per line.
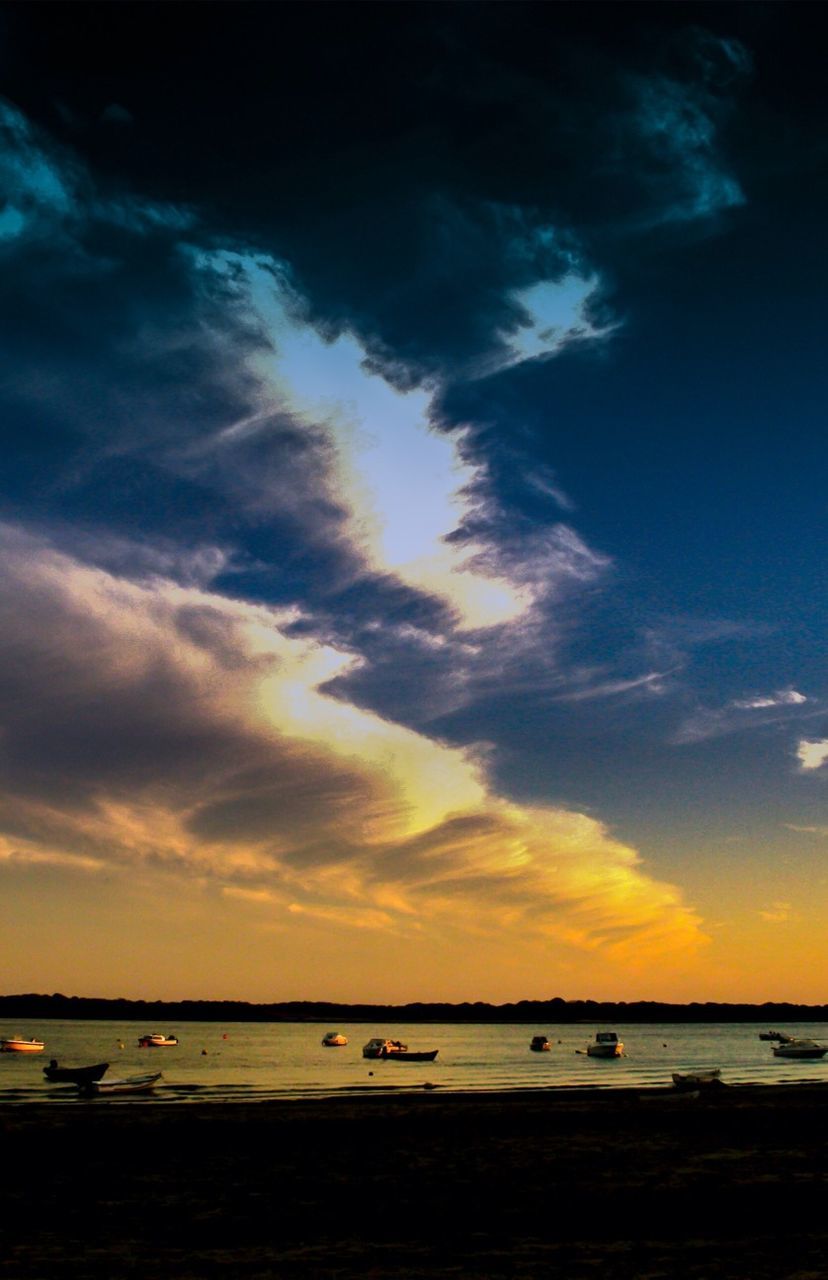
(148,724)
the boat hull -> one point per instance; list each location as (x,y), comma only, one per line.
(115,1088)
(75,1075)
(690,1081)
(21,1046)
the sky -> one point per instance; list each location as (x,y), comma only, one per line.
(412,502)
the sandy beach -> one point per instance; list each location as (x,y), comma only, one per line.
(621,1183)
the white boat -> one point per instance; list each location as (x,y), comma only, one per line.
(16,1044)
(605,1045)
(800,1049)
(156,1041)
(334,1039)
(395,1050)
(129,1084)
(691,1080)
(379,1048)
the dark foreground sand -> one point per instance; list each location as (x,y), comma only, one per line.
(619,1185)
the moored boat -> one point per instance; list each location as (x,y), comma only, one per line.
(691,1080)
(16,1044)
(396,1051)
(156,1041)
(800,1049)
(539,1044)
(128,1084)
(605,1045)
(334,1040)
(74,1075)
(781,1036)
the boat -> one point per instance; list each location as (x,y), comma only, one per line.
(74,1075)
(156,1041)
(16,1044)
(781,1036)
(128,1084)
(605,1045)
(693,1080)
(334,1039)
(396,1050)
(800,1049)
(539,1044)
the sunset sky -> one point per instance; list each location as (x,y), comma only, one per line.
(413,492)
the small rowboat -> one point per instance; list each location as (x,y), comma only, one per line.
(129,1084)
(16,1044)
(156,1041)
(688,1081)
(74,1075)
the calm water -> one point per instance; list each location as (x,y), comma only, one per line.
(283,1060)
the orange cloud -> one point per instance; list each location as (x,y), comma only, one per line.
(153,726)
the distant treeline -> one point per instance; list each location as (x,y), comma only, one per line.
(540,1012)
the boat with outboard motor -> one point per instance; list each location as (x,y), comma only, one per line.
(16,1044)
(156,1041)
(396,1051)
(800,1049)
(605,1045)
(539,1044)
(334,1040)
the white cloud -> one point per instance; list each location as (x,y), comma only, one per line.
(405,487)
(782,698)
(812,755)
(741,714)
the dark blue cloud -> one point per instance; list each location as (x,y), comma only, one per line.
(413,169)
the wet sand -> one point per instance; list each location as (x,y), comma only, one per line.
(626,1184)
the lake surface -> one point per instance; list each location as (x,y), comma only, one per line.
(245,1062)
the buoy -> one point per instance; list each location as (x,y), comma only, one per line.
(204,1053)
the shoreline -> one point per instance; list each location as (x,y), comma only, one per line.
(631,1182)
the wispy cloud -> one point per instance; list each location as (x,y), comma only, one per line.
(776,913)
(674,131)
(742,714)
